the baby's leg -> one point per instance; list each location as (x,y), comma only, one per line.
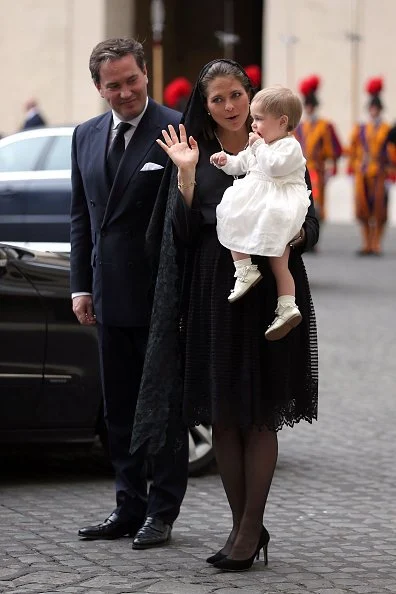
(282,274)
(246,273)
(240,256)
(287,314)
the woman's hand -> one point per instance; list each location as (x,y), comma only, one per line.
(184,154)
(298,240)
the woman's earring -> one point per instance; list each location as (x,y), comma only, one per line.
(209,114)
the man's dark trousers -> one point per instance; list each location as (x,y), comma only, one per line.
(121,356)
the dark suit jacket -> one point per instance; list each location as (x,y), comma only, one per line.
(33,122)
(108,225)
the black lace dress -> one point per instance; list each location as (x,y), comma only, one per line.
(232,374)
(208,360)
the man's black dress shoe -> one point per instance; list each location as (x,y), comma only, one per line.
(111,528)
(153,533)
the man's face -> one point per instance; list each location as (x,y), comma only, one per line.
(124,86)
(374,111)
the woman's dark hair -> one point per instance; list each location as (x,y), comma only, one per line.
(196,118)
(114,49)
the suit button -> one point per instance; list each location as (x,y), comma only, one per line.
(139,204)
(103,233)
(92,203)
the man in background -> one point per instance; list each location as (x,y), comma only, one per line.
(33,117)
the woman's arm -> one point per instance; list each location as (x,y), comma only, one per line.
(186,219)
(310,228)
(309,233)
(183,151)
(185,154)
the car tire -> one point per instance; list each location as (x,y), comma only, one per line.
(201,453)
(200,447)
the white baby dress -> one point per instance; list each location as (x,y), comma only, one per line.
(261,213)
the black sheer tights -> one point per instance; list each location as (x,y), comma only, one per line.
(246,462)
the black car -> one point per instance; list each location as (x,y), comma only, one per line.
(49,378)
(35,186)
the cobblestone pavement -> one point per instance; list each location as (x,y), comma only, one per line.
(331,512)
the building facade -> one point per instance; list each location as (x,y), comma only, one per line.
(344,42)
(45,45)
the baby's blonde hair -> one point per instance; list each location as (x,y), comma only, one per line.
(278,101)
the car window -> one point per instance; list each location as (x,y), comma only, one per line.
(21,155)
(58,157)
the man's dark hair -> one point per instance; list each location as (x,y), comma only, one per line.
(114,49)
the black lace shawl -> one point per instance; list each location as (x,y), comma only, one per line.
(158,417)
(158,412)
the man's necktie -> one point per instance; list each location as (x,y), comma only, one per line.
(116,151)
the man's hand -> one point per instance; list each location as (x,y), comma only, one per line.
(298,240)
(219,159)
(83,310)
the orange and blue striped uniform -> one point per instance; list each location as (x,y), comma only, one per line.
(369,162)
(321,147)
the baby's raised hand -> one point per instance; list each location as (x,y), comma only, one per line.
(219,159)
(253,137)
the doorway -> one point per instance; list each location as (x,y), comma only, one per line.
(196,32)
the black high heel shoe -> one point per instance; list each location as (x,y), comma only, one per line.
(219,555)
(216,557)
(227,564)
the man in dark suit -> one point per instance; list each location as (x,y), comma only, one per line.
(117,168)
(33,118)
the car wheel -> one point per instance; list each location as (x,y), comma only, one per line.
(200,446)
(201,452)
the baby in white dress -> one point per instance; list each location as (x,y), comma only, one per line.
(261,213)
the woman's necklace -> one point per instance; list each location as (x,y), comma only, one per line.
(222,148)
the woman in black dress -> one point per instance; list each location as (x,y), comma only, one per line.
(208,360)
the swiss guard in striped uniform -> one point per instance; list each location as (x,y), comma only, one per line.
(369,163)
(319,142)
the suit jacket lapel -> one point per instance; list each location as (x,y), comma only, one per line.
(148,130)
(98,148)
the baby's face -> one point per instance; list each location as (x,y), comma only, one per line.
(267,125)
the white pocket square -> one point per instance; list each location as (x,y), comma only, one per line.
(151,167)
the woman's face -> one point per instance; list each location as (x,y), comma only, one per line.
(228,102)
